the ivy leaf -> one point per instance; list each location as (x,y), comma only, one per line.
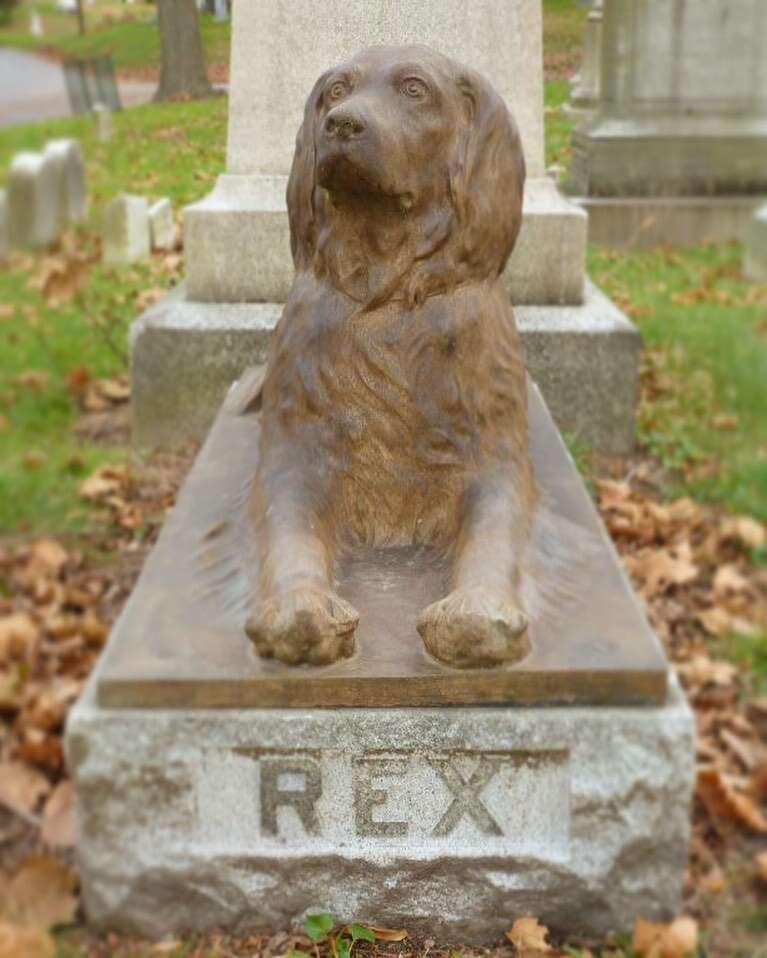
(317,926)
(343,947)
(360,932)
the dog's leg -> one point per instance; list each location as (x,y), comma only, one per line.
(480,623)
(299,618)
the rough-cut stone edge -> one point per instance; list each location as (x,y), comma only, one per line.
(184,356)
(237,244)
(143,869)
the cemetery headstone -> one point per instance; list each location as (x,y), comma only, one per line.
(70,171)
(389,514)
(755,253)
(36,24)
(104,124)
(581,349)
(125,230)
(221,11)
(677,150)
(33,200)
(162,225)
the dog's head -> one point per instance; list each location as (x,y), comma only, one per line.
(409,130)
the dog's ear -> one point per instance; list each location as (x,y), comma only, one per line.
(302,182)
(487,177)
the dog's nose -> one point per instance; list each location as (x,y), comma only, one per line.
(344,123)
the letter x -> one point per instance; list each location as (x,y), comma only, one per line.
(466,800)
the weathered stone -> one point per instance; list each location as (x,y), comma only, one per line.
(185,355)
(70,173)
(4,239)
(125,230)
(33,207)
(237,244)
(162,225)
(104,125)
(755,254)
(635,222)
(683,108)
(448,822)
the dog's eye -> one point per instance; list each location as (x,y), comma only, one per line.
(337,90)
(415,88)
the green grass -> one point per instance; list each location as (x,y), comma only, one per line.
(706,338)
(161,149)
(128,33)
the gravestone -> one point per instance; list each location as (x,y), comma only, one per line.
(237,250)
(104,124)
(33,204)
(70,171)
(677,151)
(755,253)
(125,230)
(162,225)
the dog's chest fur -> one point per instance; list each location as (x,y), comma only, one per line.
(385,399)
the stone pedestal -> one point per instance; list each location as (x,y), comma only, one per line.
(200,804)
(682,116)
(185,354)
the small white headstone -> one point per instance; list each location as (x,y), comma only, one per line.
(162,225)
(36,24)
(755,256)
(70,171)
(103,121)
(4,242)
(33,205)
(220,10)
(125,230)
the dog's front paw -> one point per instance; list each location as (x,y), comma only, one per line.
(475,628)
(307,624)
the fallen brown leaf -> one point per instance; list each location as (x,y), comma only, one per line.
(16,941)
(40,895)
(676,940)
(21,786)
(58,828)
(529,937)
(724,802)
(389,934)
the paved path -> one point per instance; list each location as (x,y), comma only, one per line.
(32,88)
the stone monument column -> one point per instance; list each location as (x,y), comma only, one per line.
(677,151)
(236,239)
(586,86)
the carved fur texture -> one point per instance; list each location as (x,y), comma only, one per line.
(393,404)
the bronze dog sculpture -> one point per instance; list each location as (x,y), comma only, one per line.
(393,406)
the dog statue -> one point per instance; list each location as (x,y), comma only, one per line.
(393,405)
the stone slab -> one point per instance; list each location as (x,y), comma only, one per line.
(33,206)
(181,642)
(623,222)
(279,50)
(67,156)
(244,819)
(755,252)
(185,355)
(237,244)
(162,225)
(125,230)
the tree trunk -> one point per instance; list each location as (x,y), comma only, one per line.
(182,67)
(80,18)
